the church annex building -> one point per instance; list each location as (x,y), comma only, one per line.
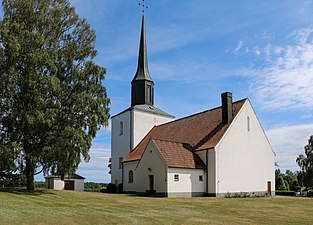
(219,151)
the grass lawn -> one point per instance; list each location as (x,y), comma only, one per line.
(68,207)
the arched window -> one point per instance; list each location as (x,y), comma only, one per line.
(131,177)
(121,128)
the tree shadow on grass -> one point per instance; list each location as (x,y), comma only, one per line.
(23,191)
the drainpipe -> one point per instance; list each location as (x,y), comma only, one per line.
(207,172)
(122,177)
(131,135)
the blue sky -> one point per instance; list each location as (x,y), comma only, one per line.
(197,49)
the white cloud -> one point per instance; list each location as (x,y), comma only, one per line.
(286,83)
(288,143)
(257,51)
(97,168)
(239,46)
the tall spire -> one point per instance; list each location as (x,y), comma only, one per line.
(142,84)
(142,68)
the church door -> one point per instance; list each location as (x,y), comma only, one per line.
(269,187)
(151,182)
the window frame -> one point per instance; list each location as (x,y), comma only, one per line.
(130,177)
(121,128)
(248,124)
(120,165)
(176,177)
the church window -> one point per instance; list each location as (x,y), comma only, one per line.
(149,93)
(121,128)
(120,162)
(200,178)
(131,177)
(248,123)
(176,177)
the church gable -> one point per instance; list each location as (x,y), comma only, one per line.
(245,158)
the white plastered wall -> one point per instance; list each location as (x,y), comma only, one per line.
(79,185)
(144,122)
(130,187)
(208,156)
(153,160)
(188,183)
(136,125)
(245,159)
(120,144)
(58,184)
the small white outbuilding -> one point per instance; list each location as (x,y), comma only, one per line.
(74,183)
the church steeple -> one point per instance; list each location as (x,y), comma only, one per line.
(142,84)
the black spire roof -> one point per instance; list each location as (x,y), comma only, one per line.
(142,84)
(142,68)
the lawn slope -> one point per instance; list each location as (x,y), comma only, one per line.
(68,207)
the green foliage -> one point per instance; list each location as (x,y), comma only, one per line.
(285,193)
(120,188)
(94,187)
(53,100)
(287,181)
(111,188)
(9,176)
(40,184)
(310,193)
(306,164)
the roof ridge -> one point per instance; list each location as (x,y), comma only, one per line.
(196,114)
(177,142)
(189,146)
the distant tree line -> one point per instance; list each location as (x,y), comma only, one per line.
(95,187)
(298,180)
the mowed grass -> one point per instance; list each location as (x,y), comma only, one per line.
(68,207)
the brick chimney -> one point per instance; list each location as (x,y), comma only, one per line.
(227,107)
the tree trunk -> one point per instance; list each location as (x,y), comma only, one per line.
(30,171)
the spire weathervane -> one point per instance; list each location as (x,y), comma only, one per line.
(144,6)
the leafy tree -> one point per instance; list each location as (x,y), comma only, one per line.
(280,181)
(52,100)
(288,181)
(7,165)
(292,180)
(306,164)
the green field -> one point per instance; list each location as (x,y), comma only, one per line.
(67,207)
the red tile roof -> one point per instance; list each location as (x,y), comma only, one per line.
(201,131)
(178,155)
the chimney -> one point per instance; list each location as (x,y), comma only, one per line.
(227,107)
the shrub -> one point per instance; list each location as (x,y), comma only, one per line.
(120,188)
(310,193)
(111,188)
(285,193)
(228,195)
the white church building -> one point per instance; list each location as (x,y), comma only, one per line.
(220,151)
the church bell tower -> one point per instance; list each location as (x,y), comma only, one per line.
(131,125)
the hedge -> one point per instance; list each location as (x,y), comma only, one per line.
(310,193)
(285,193)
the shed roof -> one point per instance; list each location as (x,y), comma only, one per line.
(75,176)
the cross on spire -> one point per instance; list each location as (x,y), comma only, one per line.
(144,6)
